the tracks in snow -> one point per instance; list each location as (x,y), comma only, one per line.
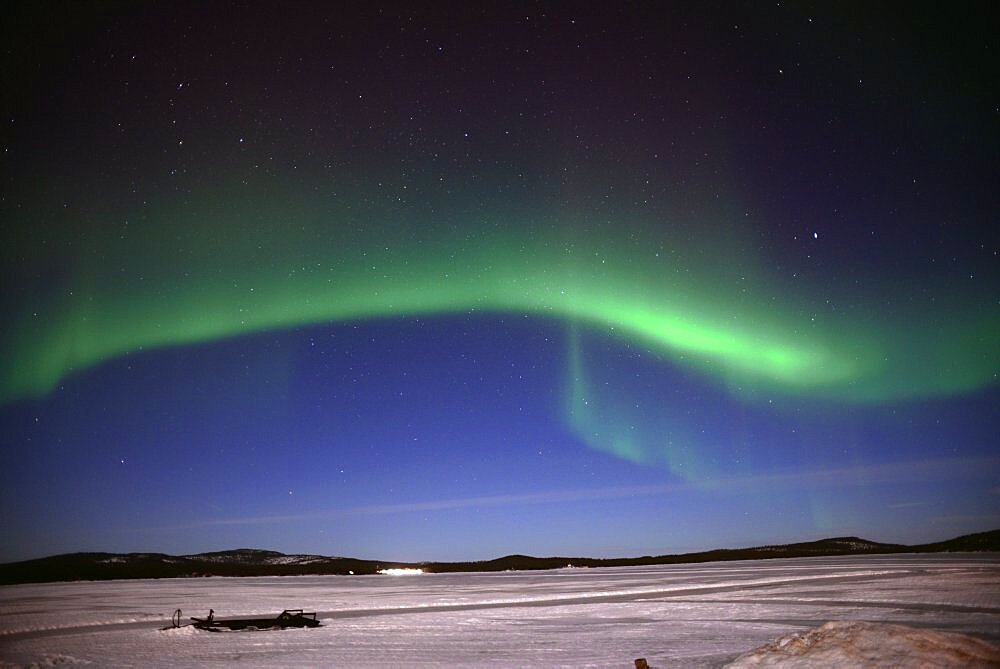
(596,597)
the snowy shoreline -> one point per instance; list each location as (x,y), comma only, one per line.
(699,614)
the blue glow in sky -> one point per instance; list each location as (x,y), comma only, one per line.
(452,285)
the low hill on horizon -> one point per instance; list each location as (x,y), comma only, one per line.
(256,562)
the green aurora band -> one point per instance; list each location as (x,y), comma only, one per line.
(180,278)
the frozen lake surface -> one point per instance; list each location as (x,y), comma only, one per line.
(690,615)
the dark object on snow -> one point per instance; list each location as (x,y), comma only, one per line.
(175,621)
(640,663)
(287,618)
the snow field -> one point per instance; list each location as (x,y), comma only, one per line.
(693,615)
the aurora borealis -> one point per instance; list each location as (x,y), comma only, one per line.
(609,283)
(448,284)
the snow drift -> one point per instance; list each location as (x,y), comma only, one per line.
(869,644)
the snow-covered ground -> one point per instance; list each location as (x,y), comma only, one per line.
(688,615)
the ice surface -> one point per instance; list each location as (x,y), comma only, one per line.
(690,615)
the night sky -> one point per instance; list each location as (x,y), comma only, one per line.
(451,283)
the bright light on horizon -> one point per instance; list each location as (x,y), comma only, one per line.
(401,572)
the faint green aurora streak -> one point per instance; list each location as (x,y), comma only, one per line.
(199,284)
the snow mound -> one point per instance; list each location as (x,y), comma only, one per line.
(59,660)
(867,644)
